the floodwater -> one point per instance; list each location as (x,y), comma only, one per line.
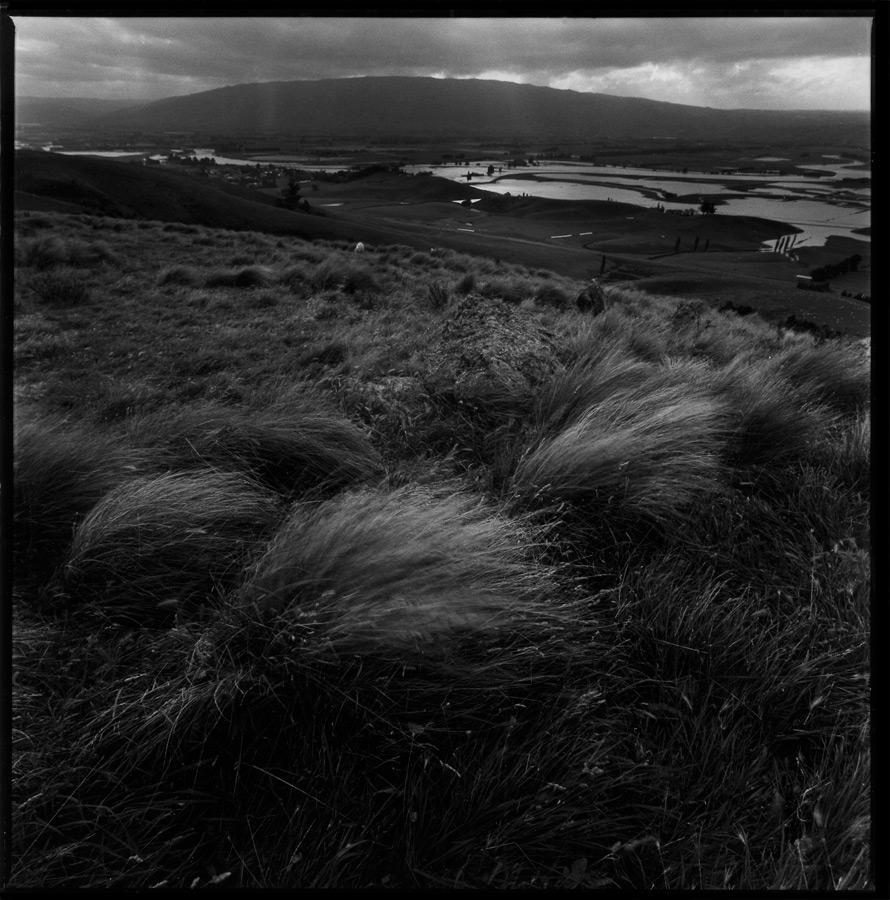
(207,154)
(791,199)
(105,153)
(202,153)
(788,198)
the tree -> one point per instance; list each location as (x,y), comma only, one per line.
(708,207)
(291,194)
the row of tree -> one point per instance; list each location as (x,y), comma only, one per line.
(826,273)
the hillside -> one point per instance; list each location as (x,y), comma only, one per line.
(52,181)
(472,108)
(403,570)
(131,190)
(421,212)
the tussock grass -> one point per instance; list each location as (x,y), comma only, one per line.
(466,283)
(649,451)
(552,295)
(296,275)
(61,471)
(439,295)
(59,287)
(773,422)
(342,272)
(835,374)
(247,277)
(373,570)
(292,446)
(513,290)
(346,626)
(176,274)
(48,251)
(847,452)
(157,547)
(601,373)
(781,691)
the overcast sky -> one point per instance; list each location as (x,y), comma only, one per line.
(819,62)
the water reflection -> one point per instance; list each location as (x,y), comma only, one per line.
(788,199)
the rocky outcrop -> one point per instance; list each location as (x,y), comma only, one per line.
(487,347)
(592,299)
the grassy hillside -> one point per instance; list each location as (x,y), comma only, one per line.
(395,569)
(131,190)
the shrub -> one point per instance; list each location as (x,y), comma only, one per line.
(160,546)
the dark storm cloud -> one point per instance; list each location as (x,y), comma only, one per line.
(692,59)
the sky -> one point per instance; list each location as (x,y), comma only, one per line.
(728,62)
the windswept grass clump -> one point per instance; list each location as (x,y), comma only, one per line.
(649,452)
(837,375)
(48,251)
(339,271)
(552,295)
(246,277)
(510,290)
(390,639)
(772,421)
(602,372)
(292,446)
(176,274)
(388,570)
(61,471)
(59,287)
(157,547)
(466,283)
(439,295)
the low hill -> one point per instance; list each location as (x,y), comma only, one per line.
(472,108)
(52,181)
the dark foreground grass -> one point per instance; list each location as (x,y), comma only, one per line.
(293,618)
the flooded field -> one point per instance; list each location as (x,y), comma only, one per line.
(818,205)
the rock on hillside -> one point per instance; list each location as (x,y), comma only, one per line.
(485,348)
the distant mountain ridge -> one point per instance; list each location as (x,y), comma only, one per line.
(67,112)
(429,107)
